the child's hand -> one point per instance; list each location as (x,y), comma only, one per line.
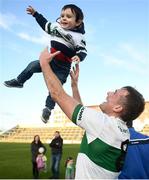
(30,10)
(75,59)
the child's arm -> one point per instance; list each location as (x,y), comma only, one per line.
(44,158)
(37,158)
(42,21)
(81,51)
(30,10)
(75,59)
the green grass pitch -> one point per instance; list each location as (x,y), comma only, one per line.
(15,160)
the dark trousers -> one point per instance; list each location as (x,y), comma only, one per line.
(35,170)
(61,70)
(55,164)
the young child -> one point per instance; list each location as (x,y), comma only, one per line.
(70,168)
(67,36)
(41,160)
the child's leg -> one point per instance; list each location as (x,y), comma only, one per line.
(33,67)
(62,74)
(46,112)
(50,104)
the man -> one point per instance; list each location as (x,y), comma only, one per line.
(105,131)
(137,157)
(56,154)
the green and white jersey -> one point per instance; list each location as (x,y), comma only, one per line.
(101,144)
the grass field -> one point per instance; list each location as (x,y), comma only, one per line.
(15,160)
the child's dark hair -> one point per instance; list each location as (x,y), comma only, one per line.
(79,16)
(39,142)
(76,10)
(67,160)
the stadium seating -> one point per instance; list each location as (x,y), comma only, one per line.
(70,133)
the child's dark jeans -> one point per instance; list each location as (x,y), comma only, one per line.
(60,68)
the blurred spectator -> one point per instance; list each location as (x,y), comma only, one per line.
(35,145)
(136,164)
(56,154)
(41,160)
(70,168)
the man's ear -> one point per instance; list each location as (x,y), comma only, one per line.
(117,108)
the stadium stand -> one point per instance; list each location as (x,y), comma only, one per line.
(71,133)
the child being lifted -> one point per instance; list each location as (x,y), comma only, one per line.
(67,36)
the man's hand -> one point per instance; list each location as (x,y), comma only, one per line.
(74,83)
(30,10)
(74,75)
(75,59)
(46,57)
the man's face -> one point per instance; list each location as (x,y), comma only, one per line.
(114,100)
(56,134)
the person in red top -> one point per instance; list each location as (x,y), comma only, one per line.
(67,36)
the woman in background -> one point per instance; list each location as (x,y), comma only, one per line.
(35,145)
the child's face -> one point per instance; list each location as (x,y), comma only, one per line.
(68,19)
(71,162)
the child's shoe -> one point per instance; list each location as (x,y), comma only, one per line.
(45,115)
(13,83)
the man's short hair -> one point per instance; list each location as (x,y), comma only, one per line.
(134,104)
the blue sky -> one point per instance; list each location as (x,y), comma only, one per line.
(117,35)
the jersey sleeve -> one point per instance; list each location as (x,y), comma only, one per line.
(81,48)
(43,22)
(89,119)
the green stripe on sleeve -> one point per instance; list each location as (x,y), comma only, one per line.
(75,113)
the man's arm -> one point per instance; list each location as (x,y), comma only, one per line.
(74,83)
(54,86)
